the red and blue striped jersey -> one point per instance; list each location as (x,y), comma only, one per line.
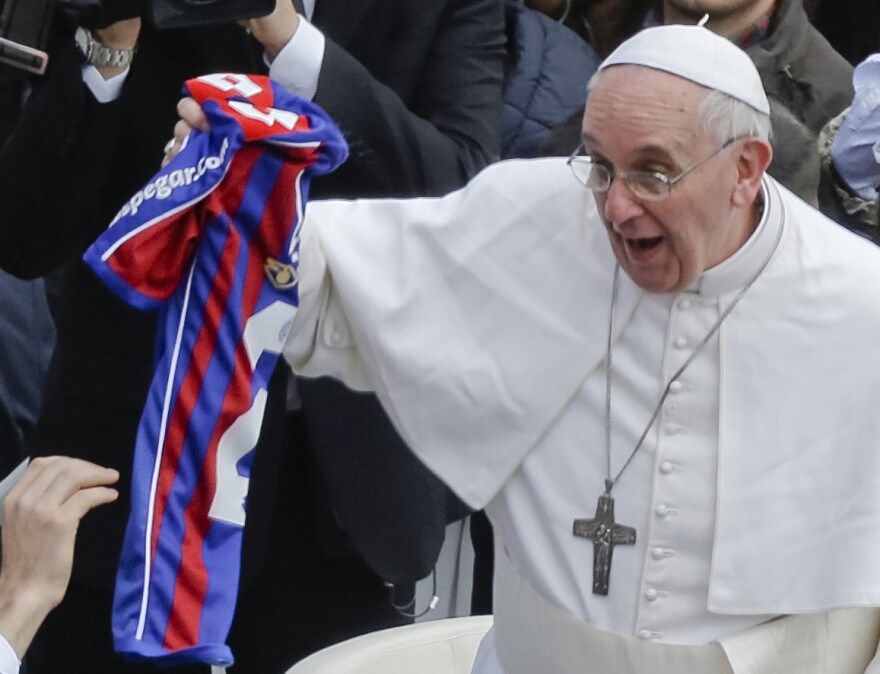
(211,242)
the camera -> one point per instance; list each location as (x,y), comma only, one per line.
(169,13)
(25,24)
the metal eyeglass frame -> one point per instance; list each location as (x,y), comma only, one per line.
(631,178)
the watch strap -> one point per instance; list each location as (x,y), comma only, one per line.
(96,54)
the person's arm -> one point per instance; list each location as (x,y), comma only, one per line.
(452,129)
(429,145)
(41,516)
(436,144)
(57,160)
(849,147)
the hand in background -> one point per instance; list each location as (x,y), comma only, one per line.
(41,517)
(275,30)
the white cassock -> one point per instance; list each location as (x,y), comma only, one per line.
(480,319)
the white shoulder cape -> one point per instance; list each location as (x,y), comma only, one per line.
(476,317)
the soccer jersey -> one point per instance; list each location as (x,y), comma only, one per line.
(211,242)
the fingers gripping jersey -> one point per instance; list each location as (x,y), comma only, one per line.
(212,243)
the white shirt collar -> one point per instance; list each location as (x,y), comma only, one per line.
(734,272)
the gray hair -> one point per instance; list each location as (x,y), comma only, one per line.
(722,115)
(727,117)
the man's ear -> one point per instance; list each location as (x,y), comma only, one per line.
(754,158)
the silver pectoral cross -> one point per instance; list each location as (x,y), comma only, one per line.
(605,534)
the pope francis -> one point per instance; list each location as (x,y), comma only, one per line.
(648,362)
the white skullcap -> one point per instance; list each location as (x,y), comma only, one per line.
(696,54)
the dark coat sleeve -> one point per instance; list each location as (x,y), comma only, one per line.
(429,138)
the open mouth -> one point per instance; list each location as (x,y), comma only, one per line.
(644,244)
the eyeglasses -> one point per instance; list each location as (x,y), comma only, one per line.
(646,185)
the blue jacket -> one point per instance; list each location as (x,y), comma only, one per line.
(545,78)
(27,336)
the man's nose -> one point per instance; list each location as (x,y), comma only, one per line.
(620,203)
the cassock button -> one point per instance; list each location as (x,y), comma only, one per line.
(680,343)
(666,467)
(676,387)
(658,553)
(684,304)
(651,594)
(672,428)
(646,634)
(662,511)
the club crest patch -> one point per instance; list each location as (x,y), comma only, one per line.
(282,276)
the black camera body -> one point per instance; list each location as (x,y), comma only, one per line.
(170,13)
(175,13)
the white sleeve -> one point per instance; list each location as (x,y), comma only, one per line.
(321,341)
(298,66)
(103,90)
(450,310)
(9,662)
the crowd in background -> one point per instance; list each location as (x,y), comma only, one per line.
(342,520)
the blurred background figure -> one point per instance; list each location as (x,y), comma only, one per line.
(27,331)
(850,150)
(795,161)
(27,336)
(546,70)
(851,26)
(604,24)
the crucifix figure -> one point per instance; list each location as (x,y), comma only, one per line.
(605,534)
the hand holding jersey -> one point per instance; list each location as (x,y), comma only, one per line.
(192,118)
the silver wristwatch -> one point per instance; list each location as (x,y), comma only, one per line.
(97,54)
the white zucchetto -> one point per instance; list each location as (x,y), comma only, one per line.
(696,54)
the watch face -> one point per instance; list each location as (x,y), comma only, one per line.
(82,37)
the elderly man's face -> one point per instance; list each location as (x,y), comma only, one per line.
(639,119)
